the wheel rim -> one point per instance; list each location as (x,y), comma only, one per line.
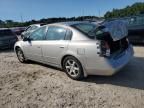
(72,68)
(20,55)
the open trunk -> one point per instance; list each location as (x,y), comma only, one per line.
(113,46)
(112,38)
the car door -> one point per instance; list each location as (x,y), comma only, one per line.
(55,44)
(33,47)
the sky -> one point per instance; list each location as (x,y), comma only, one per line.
(37,9)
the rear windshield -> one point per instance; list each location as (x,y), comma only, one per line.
(6,33)
(87,29)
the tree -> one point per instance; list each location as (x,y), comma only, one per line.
(2,23)
(135,9)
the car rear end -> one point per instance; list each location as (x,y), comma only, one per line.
(114,55)
(108,49)
(113,47)
(7,39)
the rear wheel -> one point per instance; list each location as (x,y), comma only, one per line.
(20,55)
(73,68)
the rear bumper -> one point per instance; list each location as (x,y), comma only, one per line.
(112,65)
(118,63)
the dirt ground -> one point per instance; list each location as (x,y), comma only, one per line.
(34,85)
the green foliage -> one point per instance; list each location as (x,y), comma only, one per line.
(135,9)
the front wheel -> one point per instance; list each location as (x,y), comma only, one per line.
(73,68)
(20,55)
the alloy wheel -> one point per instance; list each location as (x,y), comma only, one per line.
(72,68)
(20,55)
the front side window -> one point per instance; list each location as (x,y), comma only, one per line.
(34,27)
(31,28)
(27,28)
(39,34)
(55,33)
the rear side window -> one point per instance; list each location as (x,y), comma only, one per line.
(56,33)
(6,33)
(86,28)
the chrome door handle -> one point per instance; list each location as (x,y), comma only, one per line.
(38,47)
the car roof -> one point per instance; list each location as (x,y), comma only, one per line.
(38,24)
(70,23)
(35,25)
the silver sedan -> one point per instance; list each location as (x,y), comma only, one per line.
(80,48)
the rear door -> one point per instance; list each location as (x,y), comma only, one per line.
(33,48)
(55,44)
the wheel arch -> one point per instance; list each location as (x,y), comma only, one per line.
(62,60)
(16,47)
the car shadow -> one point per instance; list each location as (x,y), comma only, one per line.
(45,65)
(131,76)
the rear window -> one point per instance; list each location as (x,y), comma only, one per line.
(6,33)
(86,29)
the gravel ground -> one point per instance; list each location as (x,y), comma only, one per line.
(34,85)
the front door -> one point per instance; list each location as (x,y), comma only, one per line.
(33,47)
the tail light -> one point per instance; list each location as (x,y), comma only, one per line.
(105,49)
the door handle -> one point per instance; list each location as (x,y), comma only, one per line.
(61,46)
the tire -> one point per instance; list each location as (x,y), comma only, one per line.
(20,55)
(73,68)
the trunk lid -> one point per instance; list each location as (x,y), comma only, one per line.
(117,29)
(112,38)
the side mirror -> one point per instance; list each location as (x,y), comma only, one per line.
(22,36)
(27,39)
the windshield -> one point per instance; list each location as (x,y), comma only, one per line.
(6,33)
(87,29)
